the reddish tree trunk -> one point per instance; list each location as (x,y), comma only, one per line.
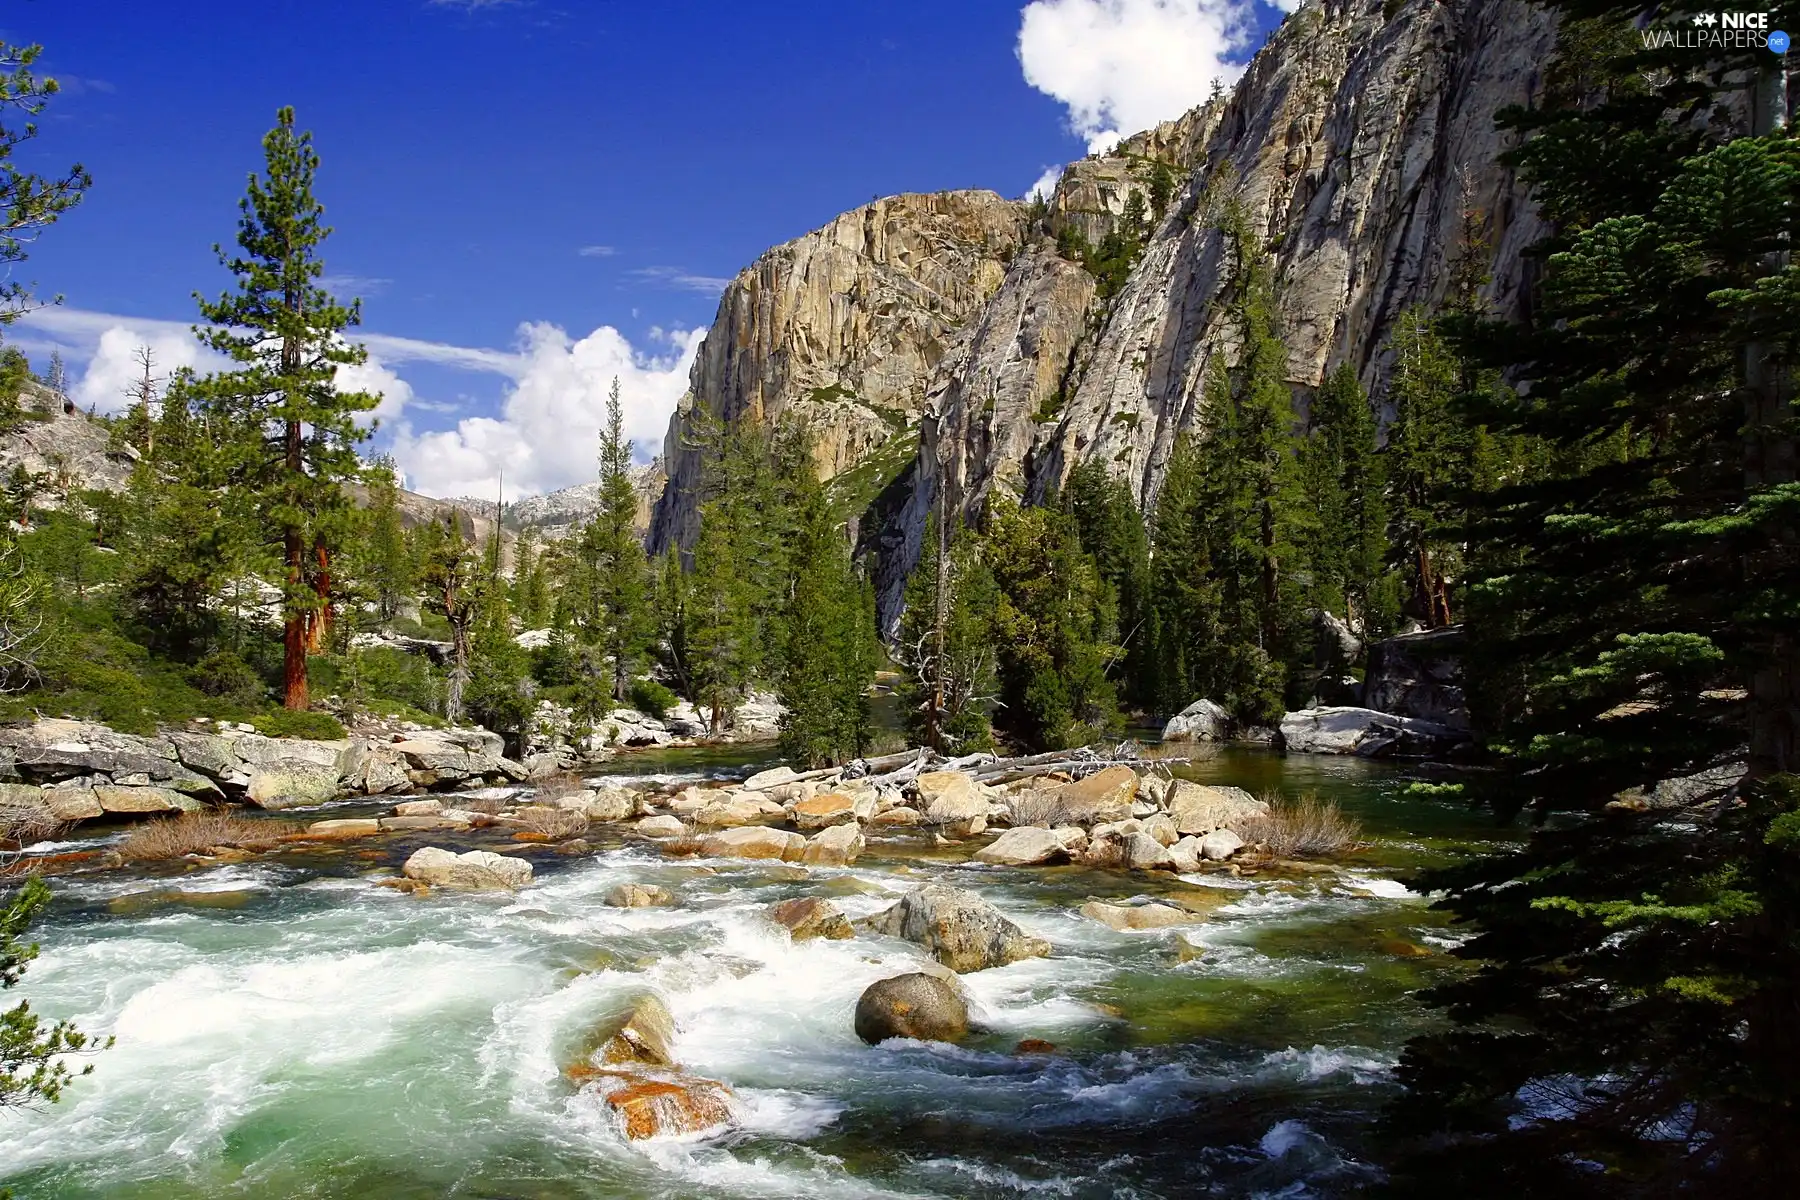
(293,664)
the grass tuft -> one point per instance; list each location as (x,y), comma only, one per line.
(198,832)
(1305,828)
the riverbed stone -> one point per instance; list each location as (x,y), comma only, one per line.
(764,780)
(344,827)
(1161,826)
(1131,917)
(1101,797)
(915,1005)
(638,1031)
(665,1104)
(900,817)
(1026,846)
(1220,845)
(143,800)
(292,784)
(476,870)
(413,824)
(729,814)
(71,803)
(953,801)
(753,841)
(611,804)
(1199,809)
(661,826)
(837,846)
(419,808)
(1201,721)
(958,928)
(811,917)
(639,895)
(819,812)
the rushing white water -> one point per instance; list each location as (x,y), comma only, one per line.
(284,1032)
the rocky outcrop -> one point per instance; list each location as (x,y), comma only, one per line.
(917,1006)
(1197,808)
(1367,733)
(959,928)
(635,1076)
(1201,721)
(1359,144)
(1419,675)
(475,871)
(842,329)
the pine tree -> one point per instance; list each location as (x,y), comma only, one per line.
(720,620)
(827,661)
(1056,628)
(34,1066)
(1111,529)
(530,589)
(28,203)
(1632,1029)
(622,570)
(454,580)
(139,426)
(1345,481)
(1184,592)
(1427,454)
(291,433)
(947,644)
(383,563)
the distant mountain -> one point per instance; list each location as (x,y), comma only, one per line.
(555,514)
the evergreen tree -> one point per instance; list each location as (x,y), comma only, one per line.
(619,558)
(383,562)
(29,203)
(720,626)
(1056,626)
(1345,482)
(1632,1031)
(827,658)
(1428,448)
(1184,593)
(670,605)
(947,645)
(1111,530)
(530,588)
(454,580)
(290,433)
(34,1054)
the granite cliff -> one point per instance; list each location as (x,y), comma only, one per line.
(1361,145)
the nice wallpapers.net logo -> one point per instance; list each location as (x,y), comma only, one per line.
(1718,31)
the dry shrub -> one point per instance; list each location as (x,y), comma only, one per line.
(486,805)
(198,832)
(1036,806)
(1180,751)
(26,821)
(559,784)
(553,822)
(1303,828)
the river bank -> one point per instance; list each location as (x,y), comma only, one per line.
(291,1026)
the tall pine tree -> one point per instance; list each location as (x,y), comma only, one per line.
(290,433)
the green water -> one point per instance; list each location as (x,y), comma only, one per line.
(288,1028)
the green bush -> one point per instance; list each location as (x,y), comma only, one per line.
(393,676)
(225,675)
(290,723)
(652,698)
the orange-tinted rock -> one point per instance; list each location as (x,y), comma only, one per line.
(669,1107)
(1035,1046)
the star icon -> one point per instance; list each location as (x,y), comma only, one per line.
(1706,18)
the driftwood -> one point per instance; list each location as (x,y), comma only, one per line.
(898,770)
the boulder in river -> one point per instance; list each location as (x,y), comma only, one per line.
(1103,796)
(640,1032)
(819,812)
(753,841)
(1127,850)
(899,817)
(661,826)
(837,846)
(954,801)
(638,895)
(345,827)
(673,1105)
(762,781)
(811,917)
(1365,732)
(1130,917)
(959,928)
(1199,809)
(729,813)
(291,784)
(918,1006)
(144,800)
(477,870)
(1220,845)
(1201,721)
(610,804)
(1026,846)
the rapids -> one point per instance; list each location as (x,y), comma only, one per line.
(287,1027)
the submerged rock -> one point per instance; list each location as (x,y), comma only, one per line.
(1128,917)
(651,1105)
(811,917)
(918,1006)
(959,928)
(640,1032)
(477,870)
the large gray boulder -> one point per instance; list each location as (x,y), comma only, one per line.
(1365,732)
(917,1006)
(475,871)
(1025,846)
(291,784)
(1201,808)
(959,928)
(953,801)
(1201,721)
(1419,675)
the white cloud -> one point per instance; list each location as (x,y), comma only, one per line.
(677,277)
(1045,185)
(113,370)
(548,434)
(1124,65)
(596,252)
(345,288)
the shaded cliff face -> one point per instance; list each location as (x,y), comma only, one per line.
(841,331)
(1356,142)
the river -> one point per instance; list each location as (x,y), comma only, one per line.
(286,1027)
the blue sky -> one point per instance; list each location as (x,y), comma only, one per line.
(534,195)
